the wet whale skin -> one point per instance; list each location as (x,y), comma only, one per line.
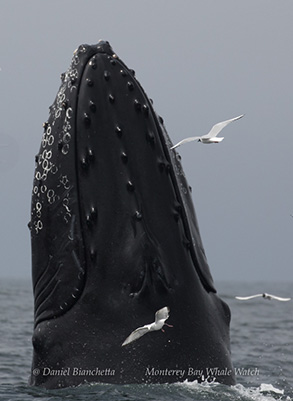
(115,238)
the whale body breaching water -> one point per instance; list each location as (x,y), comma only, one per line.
(264,295)
(211,137)
(115,238)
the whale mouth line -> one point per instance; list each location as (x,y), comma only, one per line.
(179,199)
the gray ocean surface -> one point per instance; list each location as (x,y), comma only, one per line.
(261,344)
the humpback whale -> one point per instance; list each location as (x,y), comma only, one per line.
(115,238)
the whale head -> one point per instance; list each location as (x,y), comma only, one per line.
(115,236)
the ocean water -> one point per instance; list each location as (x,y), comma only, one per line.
(261,342)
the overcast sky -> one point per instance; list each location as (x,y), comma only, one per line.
(202,62)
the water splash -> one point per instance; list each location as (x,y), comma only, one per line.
(218,392)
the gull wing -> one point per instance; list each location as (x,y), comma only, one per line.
(212,134)
(278,298)
(162,314)
(250,297)
(136,334)
(190,139)
(218,127)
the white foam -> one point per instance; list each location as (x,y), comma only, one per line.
(265,392)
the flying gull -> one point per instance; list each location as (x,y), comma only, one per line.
(211,137)
(264,295)
(160,317)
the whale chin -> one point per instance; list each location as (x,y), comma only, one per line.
(115,238)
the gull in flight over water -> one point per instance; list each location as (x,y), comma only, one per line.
(211,137)
(160,317)
(264,295)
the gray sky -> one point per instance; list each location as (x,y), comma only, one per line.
(202,62)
